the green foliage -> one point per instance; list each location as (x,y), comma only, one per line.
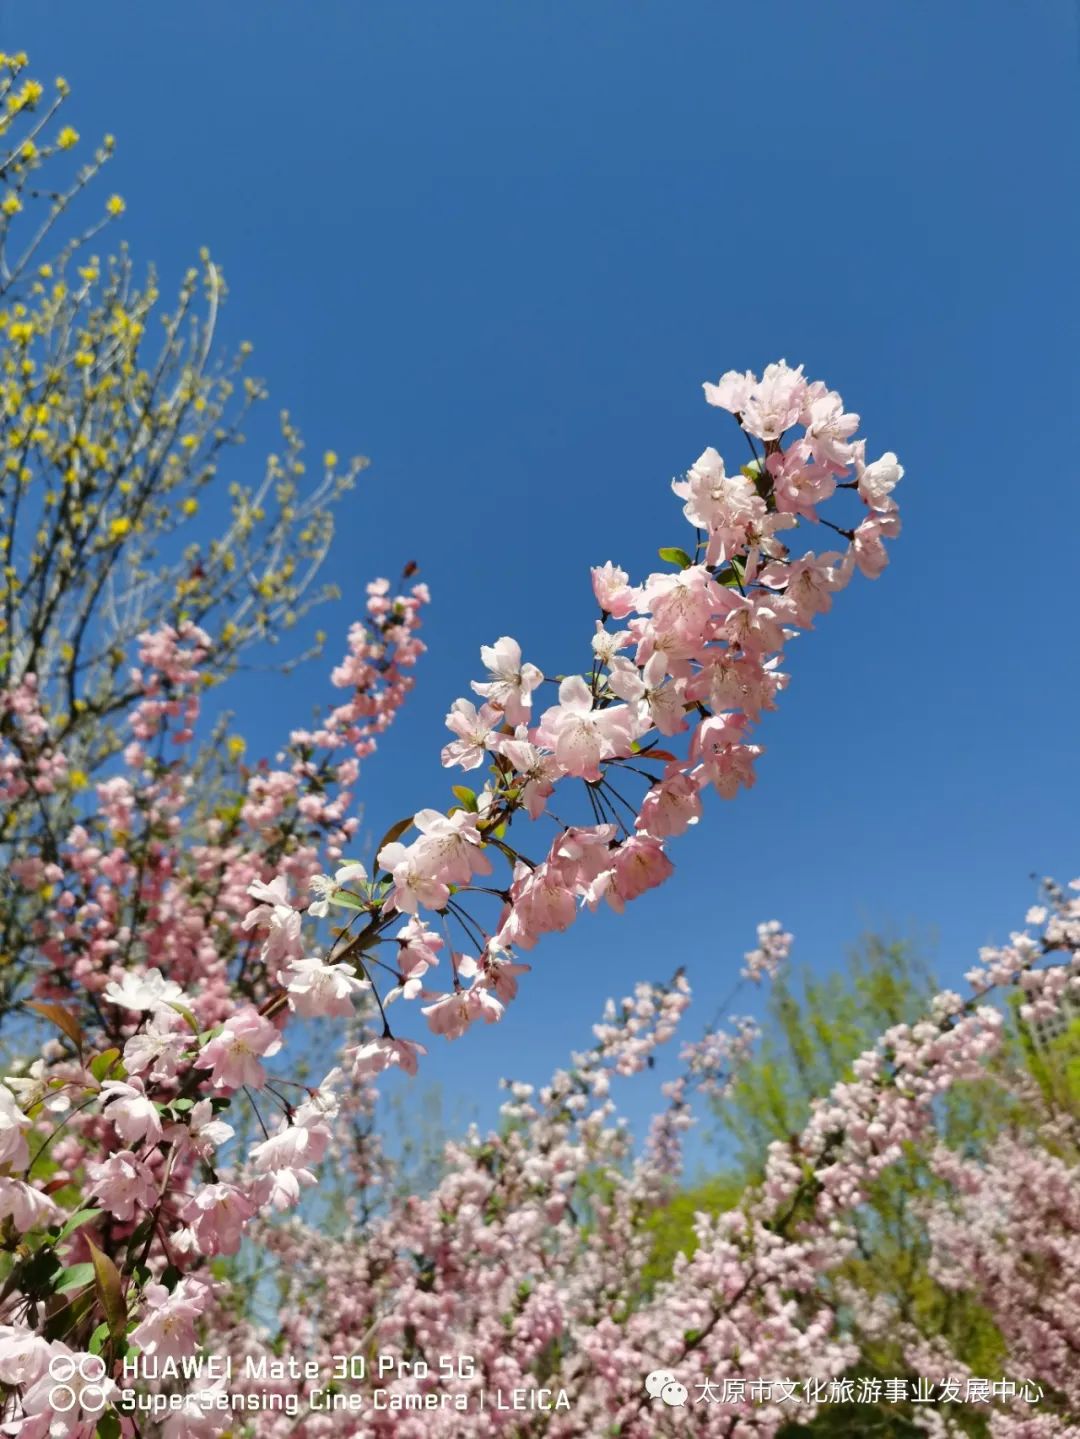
(675,555)
(672,1227)
(816,1027)
(1055,1066)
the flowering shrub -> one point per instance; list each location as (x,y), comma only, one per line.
(528,1257)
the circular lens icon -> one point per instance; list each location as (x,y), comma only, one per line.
(63,1398)
(92,1367)
(61,1366)
(93,1398)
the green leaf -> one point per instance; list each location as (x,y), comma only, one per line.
(34,1275)
(108,1426)
(347,900)
(76,1221)
(76,1276)
(733,574)
(138,1236)
(467,797)
(102,1064)
(70,1314)
(110,1290)
(181,1106)
(98,1338)
(186,1014)
(673,555)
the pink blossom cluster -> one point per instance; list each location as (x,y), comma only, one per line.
(691,656)
(528,1256)
(176,944)
(169,684)
(713,1060)
(770,955)
(29,760)
(1011,1235)
(376,670)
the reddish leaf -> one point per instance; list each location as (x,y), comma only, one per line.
(110,1290)
(64,1019)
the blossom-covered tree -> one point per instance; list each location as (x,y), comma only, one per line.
(165,902)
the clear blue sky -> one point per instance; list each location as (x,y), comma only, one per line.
(498,246)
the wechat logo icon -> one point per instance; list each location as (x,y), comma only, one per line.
(662,1384)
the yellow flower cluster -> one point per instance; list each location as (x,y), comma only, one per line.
(113,515)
